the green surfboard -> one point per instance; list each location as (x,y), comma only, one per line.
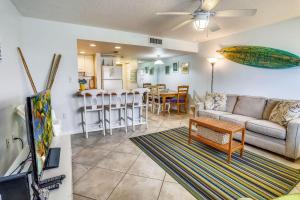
(262,57)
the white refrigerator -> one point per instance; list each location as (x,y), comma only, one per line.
(112,77)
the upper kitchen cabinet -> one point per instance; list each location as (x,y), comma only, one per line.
(86,65)
(86,71)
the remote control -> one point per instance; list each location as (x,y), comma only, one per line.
(55,179)
(52,187)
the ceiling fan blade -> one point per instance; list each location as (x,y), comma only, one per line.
(209,4)
(173,13)
(236,13)
(213,26)
(181,24)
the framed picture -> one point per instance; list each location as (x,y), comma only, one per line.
(175,67)
(185,68)
(152,71)
(167,69)
(146,70)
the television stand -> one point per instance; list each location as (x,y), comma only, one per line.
(52,159)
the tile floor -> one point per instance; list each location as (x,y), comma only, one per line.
(113,168)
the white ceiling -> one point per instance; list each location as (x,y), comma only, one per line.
(139,15)
(126,51)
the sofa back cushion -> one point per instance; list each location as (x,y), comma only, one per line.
(271,103)
(230,103)
(250,106)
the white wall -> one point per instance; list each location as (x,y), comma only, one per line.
(144,77)
(13,87)
(197,78)
(41,38)
(234,78)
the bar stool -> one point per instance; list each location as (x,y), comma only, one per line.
(139,103)
(117,103)
(95,103)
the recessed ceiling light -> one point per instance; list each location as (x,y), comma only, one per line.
(93,45)
(82,52)
(117,47)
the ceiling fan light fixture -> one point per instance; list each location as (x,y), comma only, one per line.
(201,23)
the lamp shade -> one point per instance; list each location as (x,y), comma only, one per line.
(201,23)
(212,60)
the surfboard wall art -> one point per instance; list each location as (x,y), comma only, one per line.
(262,57)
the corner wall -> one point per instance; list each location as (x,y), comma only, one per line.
(235,78)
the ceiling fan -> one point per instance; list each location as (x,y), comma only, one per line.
(202,17)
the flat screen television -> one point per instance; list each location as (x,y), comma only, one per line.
(39,130)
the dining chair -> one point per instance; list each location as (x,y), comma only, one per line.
(161,86)
(157,101)
(117,103)
(138,103)
(146,85)
(181,99)
(93,101)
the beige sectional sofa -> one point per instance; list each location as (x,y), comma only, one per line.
(253,113)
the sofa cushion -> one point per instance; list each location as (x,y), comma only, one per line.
(267,128)
(284,112)
(271,103)
(215,101)
(250,106)
(230,103)
(239,119)
(212,113)
(263,141)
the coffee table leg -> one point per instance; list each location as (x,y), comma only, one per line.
(243,143)
(229,150)
(190,130)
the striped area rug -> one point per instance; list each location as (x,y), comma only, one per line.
(204,172)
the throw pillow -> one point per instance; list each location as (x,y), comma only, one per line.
(215,101)
(284,112)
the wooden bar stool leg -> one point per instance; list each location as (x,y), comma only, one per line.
(110,126)
(103,122)
(133,128)
(85,125)
(125,120)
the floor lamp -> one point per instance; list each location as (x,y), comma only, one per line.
(212,61)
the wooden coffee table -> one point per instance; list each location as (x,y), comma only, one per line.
(222,127)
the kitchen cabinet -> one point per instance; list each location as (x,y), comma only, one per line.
(86,64)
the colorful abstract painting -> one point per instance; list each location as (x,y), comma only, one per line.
(42,126)
(262,57)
